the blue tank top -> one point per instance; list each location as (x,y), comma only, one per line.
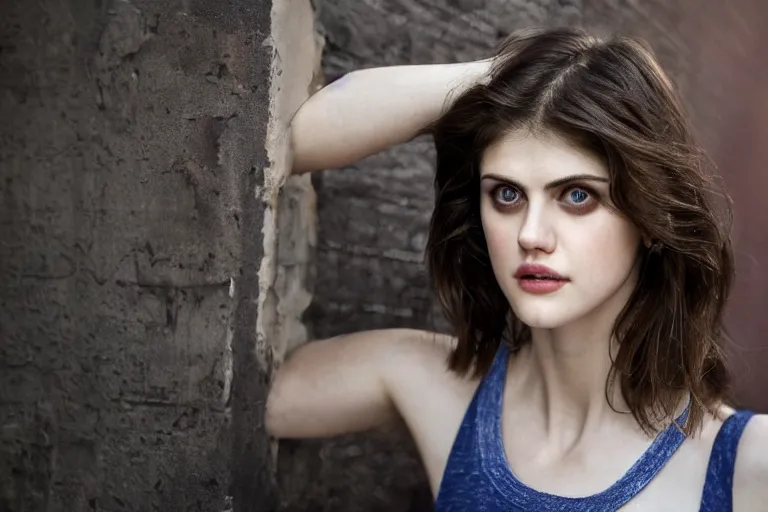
(478,478)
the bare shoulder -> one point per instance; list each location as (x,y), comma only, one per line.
(430,397)
(417,347)
(750,482)
(750,479)
(417,365)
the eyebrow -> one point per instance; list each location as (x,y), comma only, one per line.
(551,184)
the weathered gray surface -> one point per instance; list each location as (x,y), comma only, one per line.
(130,149)
(373,216)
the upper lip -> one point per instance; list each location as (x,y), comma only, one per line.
(536,270)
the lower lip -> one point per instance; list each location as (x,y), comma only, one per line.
(541,286)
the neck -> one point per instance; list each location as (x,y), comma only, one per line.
(565,372)
(569,370)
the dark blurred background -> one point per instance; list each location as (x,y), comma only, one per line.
(373,216)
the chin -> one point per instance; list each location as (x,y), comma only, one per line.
(543,316)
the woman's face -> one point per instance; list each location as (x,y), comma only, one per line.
(559,254)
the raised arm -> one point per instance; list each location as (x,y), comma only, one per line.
(369,110)
(359,381)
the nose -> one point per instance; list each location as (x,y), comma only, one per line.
(536,233)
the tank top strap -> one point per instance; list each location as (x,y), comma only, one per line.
(491,389)
(718,486)
(463,473)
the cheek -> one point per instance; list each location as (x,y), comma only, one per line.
(611,250)
(500,235)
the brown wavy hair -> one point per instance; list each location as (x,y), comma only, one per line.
(612,98)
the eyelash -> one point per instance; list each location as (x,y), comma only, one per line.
(592,196)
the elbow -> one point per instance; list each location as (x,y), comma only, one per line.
(273,416)
(282,410)
(301,160)
(271,424)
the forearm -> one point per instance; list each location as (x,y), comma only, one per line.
(369,110)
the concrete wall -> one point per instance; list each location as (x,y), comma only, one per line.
(140,159)
(373,216)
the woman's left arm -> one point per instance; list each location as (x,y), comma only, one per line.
(750,480)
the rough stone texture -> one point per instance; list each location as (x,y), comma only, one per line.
(373,216)
(131,150)
(296,73)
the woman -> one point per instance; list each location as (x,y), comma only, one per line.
(575,248)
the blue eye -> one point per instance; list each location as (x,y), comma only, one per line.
(578,195)
(506,195)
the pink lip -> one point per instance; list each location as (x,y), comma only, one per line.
(539,279)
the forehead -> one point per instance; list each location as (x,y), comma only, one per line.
(531,157)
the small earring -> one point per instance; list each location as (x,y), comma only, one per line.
(655,248)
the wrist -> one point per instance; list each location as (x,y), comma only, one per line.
(465,76)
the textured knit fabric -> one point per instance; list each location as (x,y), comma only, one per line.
(478,478)
(718,489)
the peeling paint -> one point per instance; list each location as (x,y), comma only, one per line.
(292,223)
(227,371)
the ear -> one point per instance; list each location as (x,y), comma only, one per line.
(647,241)
(653,247)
